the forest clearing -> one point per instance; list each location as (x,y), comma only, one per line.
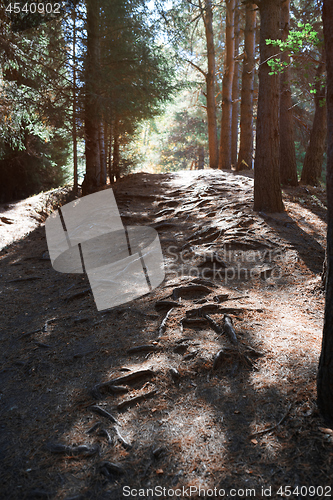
(246,419)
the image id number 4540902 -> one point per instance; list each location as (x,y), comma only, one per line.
(33,8)
(305,491)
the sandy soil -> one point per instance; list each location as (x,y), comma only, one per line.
(206,410)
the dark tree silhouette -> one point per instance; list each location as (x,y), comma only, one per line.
(325,371)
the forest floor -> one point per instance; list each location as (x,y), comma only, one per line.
(244,422)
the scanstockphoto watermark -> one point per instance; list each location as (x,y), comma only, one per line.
(188,492)
(227,265)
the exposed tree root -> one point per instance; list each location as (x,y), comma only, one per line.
(185,291)
(162,327)
(137,399)
(103,413)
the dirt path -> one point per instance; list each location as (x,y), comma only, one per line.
(189,418)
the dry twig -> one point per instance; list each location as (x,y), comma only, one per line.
(273,427)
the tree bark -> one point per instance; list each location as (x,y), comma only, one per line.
(325,370)
(74,127)
(109,155)
(116,155)
(267,188)
(235,91)
(91,180)
(225,138)
(210,82)
(201,157)
(245,155)
(288,168)
(102,153)
(312,166)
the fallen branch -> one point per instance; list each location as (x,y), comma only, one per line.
(273,427)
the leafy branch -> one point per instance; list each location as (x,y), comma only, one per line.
(297,41)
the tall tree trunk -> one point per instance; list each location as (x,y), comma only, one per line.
(313,161)
(245,155)
(210,82)
(102,153)
(288,168)
(91,180)
(110,137)
(325,370)
(225,138)
(74,128)
(201,157)
(267,188)
(116,155)
(235,91)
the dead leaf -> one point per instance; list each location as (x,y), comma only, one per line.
(325,430)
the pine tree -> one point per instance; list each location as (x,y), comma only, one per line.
(267,187)
(288,168)
(246,120)
(226,121)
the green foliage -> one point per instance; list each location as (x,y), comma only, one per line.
(34,140)
(170,142)
(298,40)
(34,168)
